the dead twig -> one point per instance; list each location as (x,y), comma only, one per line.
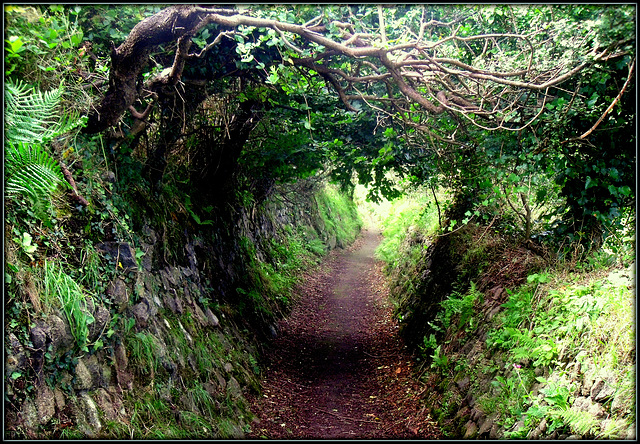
(76,196)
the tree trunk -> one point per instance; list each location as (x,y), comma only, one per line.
(129,59)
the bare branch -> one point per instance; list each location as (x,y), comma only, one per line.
(608,110)
(383,33)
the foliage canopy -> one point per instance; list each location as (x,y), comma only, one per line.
(524,111)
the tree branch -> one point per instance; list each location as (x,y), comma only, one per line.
(608,110)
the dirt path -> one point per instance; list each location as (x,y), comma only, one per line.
(338,368)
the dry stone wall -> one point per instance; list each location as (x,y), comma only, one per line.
(166,334)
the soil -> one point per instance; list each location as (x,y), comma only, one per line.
(338,368)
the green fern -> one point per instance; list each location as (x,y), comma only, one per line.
(31,172)
(33,116)
(582,423)
(32,119)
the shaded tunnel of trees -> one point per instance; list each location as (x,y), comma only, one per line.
(530,106)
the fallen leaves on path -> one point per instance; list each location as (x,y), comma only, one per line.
(338,368)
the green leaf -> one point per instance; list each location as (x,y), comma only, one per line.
(624,190)
(15,44)
(513,178)
(16,375)
(592,101)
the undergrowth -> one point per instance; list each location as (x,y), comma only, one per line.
(531,364)
(411,215)
(275,266)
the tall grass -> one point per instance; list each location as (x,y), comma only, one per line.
(415,212)
(61,290)
(340,215)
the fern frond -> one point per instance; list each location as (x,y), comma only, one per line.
(580,422)
(31,172)
(33,116)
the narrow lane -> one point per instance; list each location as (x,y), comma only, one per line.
(338,366)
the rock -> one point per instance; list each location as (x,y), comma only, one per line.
(583,404)
(109,176)
(118,292)
(463,383)
(494,311)
(84,380)
(45,403)
(213,319)
(603,389)
(463,413)
(60,332)
(29,415)
(170,302)
(87,415)
(103,400)
(331,241)
(100,371)
(170,275)
(476,414)
(221,381)
(587,383)
(228,367)
(199,315)
(233,388)
(124,378)
(496,432)
(186,333)
(142,311)
(59,398)
(38,337)
(16,356)
(211,389)
(147,259)
(486,424)
(596,410)
(471,430)
(191,360)
(539,430)
(631,433)
(534,434)
(470,400)
(120,252)
(621,403)
(101,318)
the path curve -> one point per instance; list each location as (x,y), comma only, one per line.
(338,368)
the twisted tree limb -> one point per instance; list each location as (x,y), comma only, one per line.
(411,65)
(176,23)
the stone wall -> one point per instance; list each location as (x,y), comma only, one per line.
(472,374)
(168,334)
